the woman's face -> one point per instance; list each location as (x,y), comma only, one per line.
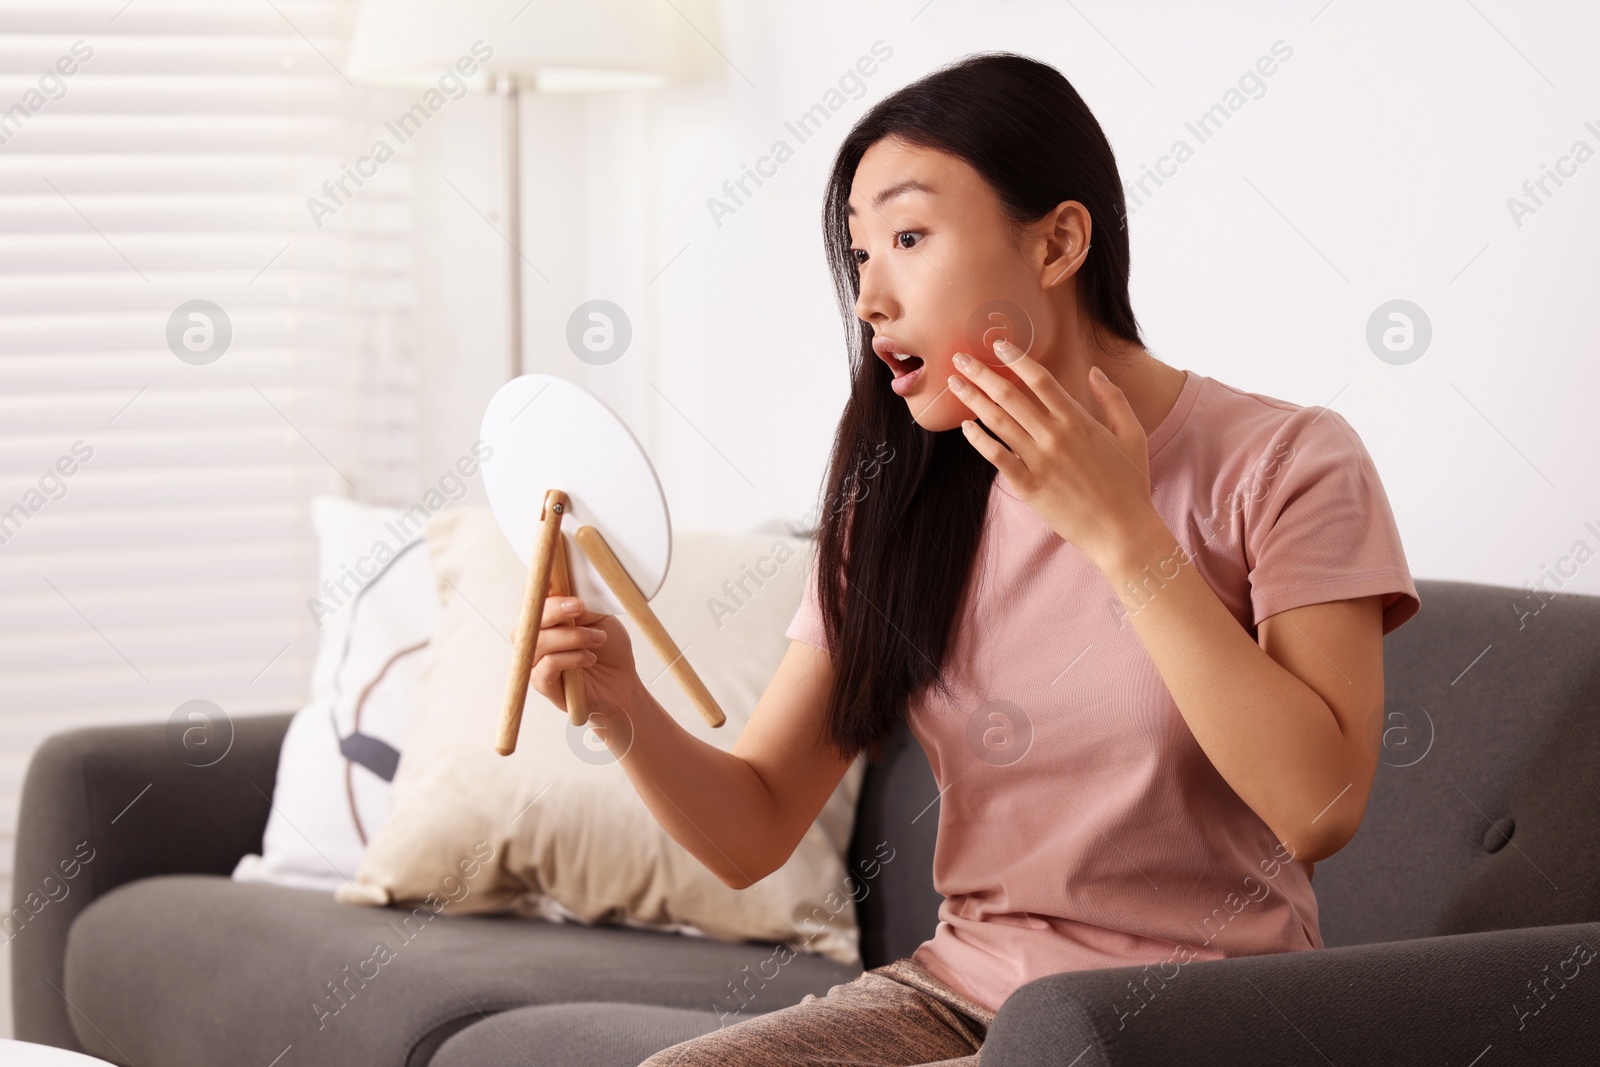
(939,274)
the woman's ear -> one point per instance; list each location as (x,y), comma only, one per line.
(1067,231)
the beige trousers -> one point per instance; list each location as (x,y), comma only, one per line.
(897,1015)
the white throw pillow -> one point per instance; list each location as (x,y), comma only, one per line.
(376,610)
(556,830)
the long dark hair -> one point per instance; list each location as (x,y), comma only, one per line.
(903,507)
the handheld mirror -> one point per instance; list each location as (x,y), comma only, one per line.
(563,466)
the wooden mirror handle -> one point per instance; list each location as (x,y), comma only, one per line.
(533,596)
(550,574)
(572,677)
(633,602)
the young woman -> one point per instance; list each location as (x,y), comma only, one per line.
(1133,614)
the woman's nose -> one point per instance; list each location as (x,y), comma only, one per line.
(873,303)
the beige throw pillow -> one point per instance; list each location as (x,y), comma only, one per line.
(556,830)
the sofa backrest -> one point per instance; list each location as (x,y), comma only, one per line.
(1482,816)
(891,851)
(1491,725)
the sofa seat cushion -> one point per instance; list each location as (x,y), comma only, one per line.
(574,1035)
(196,970)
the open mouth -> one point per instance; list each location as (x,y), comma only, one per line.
(903,364)
(907,372)
(906,367)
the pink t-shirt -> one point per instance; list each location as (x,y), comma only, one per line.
(1081,825)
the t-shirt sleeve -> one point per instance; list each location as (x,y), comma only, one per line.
(1323,530)
(807,625)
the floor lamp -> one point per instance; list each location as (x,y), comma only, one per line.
(539,45)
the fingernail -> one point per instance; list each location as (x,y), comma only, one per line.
(957,382)
(1098,373)
(1007,345)
(962,360)
(570,604)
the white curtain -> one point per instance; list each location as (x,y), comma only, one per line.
(155,545)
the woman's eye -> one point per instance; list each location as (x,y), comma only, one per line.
(900,240)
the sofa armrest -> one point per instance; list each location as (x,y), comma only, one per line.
(1531,994)
(104,806)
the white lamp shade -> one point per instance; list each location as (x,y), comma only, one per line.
(546,45)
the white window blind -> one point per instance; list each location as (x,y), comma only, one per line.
(155,543)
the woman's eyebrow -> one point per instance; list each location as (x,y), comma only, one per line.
(906,186)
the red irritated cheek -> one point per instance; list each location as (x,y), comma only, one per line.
(975,342)
(943,361)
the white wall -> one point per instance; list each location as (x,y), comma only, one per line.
(1376,165)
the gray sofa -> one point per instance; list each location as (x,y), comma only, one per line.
(1460,922)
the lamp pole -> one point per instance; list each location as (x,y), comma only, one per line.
(511,138)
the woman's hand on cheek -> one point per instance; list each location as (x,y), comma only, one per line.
(1089,482)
